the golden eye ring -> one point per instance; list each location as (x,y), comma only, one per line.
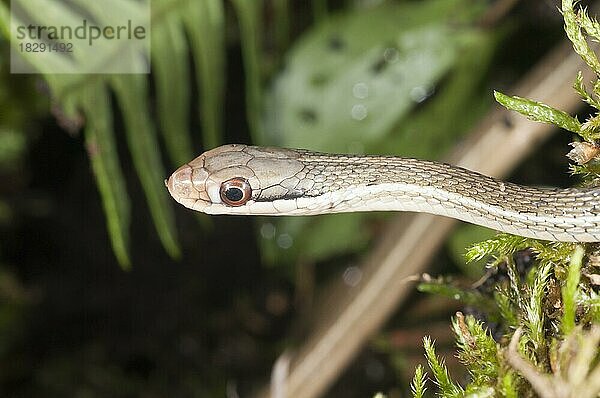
(235,192)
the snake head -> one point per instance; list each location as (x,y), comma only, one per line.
(235,179)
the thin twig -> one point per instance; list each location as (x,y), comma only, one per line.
(542,384)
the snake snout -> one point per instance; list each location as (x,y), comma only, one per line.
(180,182)
(184,189)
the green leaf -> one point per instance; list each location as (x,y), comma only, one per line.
(100,143)
(569,290)
(477,350)
(249,14)
(131,92)
(539,112)
(434,127)
(534,313)
(590,25)
(579,86)
(440,372)
(580,45)
(374,66)
(417,386)
(169,59)
(205,24)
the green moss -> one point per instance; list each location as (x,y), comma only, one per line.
(552,311)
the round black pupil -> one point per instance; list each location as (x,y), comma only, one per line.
(234,194)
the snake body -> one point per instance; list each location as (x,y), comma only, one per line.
(241,179)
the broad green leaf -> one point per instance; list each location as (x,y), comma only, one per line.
(352,78)
(434,128)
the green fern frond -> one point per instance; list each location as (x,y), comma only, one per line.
(250,23)
(179,28)
(102,151)
(170,58)
(204,22)
(131,93)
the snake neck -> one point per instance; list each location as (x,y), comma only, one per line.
(343,183)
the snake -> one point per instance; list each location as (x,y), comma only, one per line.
(241,179)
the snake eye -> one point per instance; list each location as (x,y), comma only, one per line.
(235,192)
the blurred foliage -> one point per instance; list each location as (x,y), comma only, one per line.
(180,30)
(376,66)
(21,107)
